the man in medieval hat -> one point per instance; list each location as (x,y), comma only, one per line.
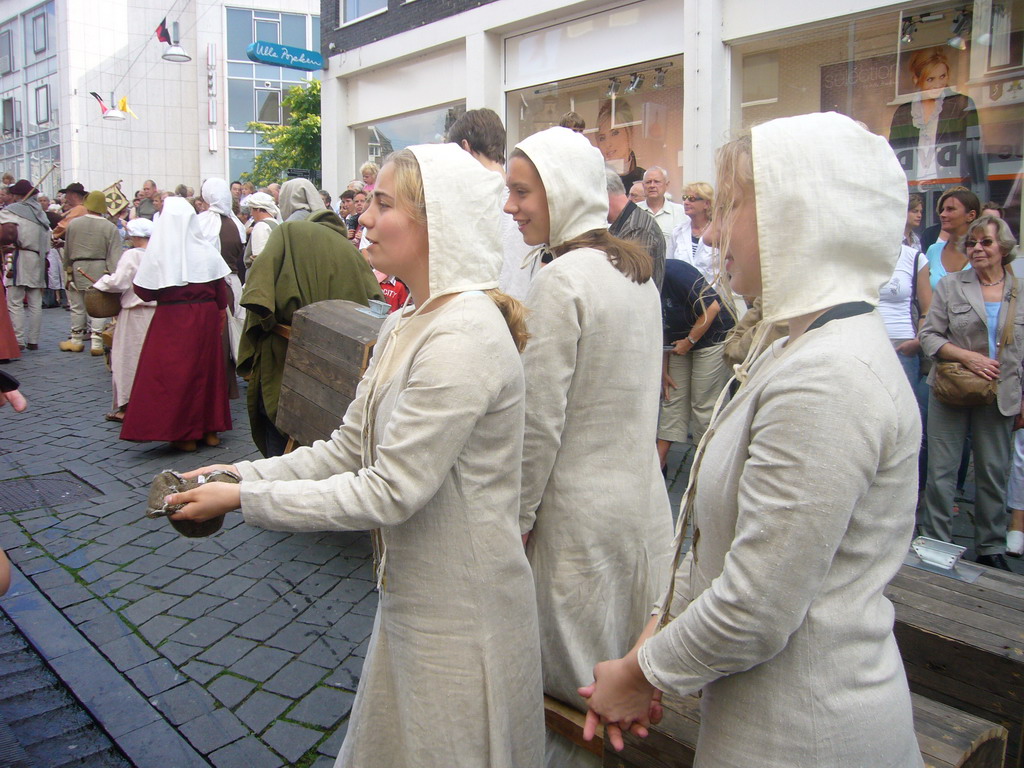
(92,248)
(27,271)
(74,195)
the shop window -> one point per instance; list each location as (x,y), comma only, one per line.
(634,115)
(39,33)
(760,78)
(357,9)
(375,142)
(42,104)
(6,53)
(944,83)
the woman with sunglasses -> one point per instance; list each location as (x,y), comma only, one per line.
(965,324)
(688,242)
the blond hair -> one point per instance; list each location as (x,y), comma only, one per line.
(735,179)
(411,200)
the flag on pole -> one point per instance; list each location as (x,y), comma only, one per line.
(116,201)
(103,107)
(122,104)
(162,33)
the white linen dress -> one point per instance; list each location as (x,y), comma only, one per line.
(132,324)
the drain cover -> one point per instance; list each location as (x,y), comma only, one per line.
(51,490)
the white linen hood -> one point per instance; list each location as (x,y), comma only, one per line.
(572,170)
(831,208)
(463,201)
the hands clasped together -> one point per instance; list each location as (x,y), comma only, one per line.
(621,698)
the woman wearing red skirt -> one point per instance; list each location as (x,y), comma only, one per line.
(180,394)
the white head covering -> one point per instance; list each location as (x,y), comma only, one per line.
(299,195)
(139,228)
(264,202)
(463,202)
(572,170)
(831,208)
(178,253)
(217,194)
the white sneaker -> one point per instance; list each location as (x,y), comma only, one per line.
(1015,543)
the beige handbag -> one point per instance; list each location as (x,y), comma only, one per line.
(956,385)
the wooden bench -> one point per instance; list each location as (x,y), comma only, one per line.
(948,737)
(329,348)
(963,644)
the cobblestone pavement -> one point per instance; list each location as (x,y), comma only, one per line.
(242,650)
(249,644)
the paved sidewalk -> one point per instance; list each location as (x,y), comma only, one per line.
(247,645)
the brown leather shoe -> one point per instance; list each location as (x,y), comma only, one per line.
(184,445)
(211,439)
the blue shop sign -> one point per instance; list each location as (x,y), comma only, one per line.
(284,56)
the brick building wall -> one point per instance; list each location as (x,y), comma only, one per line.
(400,17)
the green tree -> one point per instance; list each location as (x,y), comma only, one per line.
(293,144)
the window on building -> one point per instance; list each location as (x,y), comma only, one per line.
(876,69)
(42,104)
(240,34)
(6,52)
(356,9)
(375,142)
(39,33)
(760,78)
(9,111)
(634,115)
(268,106)
(255,91)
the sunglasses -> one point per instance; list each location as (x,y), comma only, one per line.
(985,242)
(692,198)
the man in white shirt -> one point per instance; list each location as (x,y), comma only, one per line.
(264,214)
(667,215)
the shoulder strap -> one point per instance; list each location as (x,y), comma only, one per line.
(913,289)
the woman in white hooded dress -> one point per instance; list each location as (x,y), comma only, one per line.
(133,319)
(804,487)
(429,457)
(594,501)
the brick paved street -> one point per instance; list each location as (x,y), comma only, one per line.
(242,650)
(248,645)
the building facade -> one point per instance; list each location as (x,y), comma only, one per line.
(192,117)
(665,82)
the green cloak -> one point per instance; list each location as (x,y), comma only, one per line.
(302,263)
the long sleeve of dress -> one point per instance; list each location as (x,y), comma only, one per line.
(448,390)
(549,362)
(121,278)
(796,497)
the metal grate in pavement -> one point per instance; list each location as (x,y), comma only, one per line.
(51,490)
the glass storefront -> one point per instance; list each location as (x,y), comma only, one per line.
(633,114)
(376,141)
(944,83)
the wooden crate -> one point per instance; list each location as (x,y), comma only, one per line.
(329,349)
(963,644)
(948,737)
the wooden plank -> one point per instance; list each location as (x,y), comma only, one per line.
(947,737)
(302,419)
(567,722)
(997,592)
(1007,635)
(340,375)
(333,400)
